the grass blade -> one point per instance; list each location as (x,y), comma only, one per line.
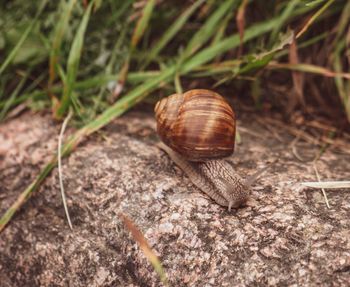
(240,20)
(308,68)
(172,31)
(142,242)
(25,195)
(225,45)
(323,191)
(73,63)
(139,30)
(297,97)
(60,174)
(208,28)
(314,17)
(341,49)
(15,50)
(61,27)
(14,94)
(142,23)
(94,82)
(220,33)
(327,184)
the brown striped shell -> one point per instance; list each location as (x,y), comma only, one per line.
(199,124)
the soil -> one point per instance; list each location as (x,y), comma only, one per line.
(285,235)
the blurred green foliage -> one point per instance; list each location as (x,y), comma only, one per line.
(85,55)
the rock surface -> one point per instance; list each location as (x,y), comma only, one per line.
(284,236)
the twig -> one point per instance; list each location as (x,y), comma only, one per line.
(250,132)
(334,144)
(60,174)
(323,191)
(295,150)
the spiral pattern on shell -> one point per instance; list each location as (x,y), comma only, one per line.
(199,124)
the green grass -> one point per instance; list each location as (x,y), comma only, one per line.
(73,61)
(120,45)
(76,37)
(14,50)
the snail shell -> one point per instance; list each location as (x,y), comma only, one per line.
(199,125)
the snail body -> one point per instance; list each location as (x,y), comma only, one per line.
(216,178)
(198,131)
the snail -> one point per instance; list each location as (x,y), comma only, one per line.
(197,129)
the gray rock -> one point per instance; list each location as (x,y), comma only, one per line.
(284,236)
